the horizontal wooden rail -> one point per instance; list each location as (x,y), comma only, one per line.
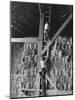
(58,92)
(23,89)
(24,40)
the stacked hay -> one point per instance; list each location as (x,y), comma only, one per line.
(61,61)
(24,68)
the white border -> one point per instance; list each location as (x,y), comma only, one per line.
(5,48)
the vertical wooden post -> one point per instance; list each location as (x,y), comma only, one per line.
(49,14)
(40,38)
(47,52)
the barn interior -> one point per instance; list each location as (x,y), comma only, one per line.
(41,49)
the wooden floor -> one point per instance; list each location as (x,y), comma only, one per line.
(57,92)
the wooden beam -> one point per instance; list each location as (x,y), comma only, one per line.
(41,26)
(49,14)
(58,92)
(57,33)
(39,50)
(24,40)
(47,52)
(50,81)
(34,90)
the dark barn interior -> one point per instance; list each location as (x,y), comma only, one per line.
(25,19)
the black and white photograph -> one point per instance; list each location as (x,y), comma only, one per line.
(41,49)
